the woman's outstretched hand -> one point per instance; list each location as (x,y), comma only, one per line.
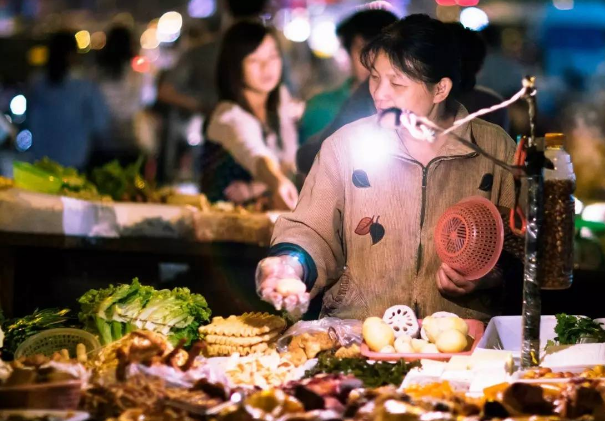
(279,282)
(285,196)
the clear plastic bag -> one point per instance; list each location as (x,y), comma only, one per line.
(210,371)
(345,332)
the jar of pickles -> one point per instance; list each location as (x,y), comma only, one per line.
(559,213)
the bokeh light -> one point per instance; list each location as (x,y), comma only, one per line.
(98,40)
(563,4)
(149,39)
(24,140)
(141,64)
(324,41)
(169,27)
(37,55)
(18,105)
(467,3)
(83,40)
(474,18)
(299,28)
(201,8)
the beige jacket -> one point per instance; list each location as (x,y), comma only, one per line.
(363,177)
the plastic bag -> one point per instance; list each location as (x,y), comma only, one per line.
(344,331)
(177,378)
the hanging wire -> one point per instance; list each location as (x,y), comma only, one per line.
(422,128)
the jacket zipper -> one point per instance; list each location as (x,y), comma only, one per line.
(425,171)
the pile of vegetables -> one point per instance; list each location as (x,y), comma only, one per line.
(124,183)
(375,374)
(112,181)
(571,329)
(16,331)
(74,184)
(117,310)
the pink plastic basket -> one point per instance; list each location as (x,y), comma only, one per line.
(469,237)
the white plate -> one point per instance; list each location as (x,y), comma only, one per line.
(36,413)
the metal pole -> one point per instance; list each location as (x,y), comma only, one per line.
(532,304)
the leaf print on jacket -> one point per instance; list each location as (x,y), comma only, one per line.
(360,179)
(371,226)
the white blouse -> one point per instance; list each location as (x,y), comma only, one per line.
(241,134)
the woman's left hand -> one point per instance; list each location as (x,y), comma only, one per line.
(452,283)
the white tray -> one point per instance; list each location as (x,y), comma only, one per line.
(505,332)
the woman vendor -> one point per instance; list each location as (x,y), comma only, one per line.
(363,227)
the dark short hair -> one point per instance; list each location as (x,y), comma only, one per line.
(472,53)
(61,46)
(246,8)
(241,40)
(367,23)
(424,49)
(118,51)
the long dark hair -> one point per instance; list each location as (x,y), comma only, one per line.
(117,53)
(424,49)
(61,48)
(241,40)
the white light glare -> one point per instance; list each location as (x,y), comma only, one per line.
(194,131)
(18,105)
(579,206)
(370,150)
(169,27)
(298,29)
(324,41)
(563,4)
(474,18)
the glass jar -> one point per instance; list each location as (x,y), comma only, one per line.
(559,214)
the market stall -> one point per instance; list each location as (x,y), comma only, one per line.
(84,234)
(158,354)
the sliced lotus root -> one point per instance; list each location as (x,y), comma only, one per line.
(437,315)
(402,320)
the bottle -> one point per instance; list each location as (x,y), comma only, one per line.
(559,214)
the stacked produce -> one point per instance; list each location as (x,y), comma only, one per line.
(13,332)
(114,311)
(162,361)
(249,333)
(399,330)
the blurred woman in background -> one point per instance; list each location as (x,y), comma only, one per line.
(66,111)
(250,139)
(122,88)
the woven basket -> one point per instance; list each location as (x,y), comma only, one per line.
(59,395)
(54,340)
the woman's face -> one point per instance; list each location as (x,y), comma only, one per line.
(262,68)
(391,88)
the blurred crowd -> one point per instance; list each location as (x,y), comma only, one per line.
(242,112)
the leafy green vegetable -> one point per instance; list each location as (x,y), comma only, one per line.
(372,375)
(117,310)
(570,329)
(18,330)
(74,183)
(123,183)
